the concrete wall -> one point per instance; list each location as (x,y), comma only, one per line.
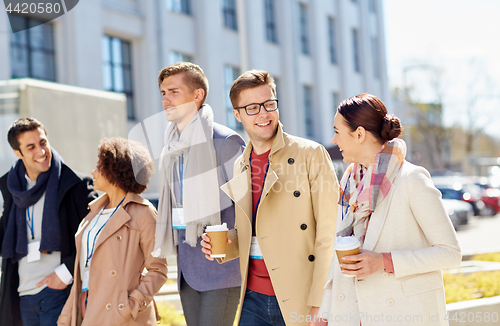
(76,119)
(475,312)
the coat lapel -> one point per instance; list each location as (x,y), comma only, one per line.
(119,218)
(377,221)
(271,179)
(238,190)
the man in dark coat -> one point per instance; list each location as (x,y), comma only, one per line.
(44,202)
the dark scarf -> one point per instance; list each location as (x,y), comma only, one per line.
(15,242)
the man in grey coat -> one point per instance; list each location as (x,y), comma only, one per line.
(197,158)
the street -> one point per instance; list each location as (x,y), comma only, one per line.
(480,235)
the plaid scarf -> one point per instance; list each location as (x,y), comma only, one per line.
(363,188)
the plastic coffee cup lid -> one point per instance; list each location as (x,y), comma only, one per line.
(346,243)
(214,228)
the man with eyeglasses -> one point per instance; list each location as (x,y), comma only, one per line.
(286,194)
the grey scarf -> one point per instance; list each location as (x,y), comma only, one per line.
(201,187)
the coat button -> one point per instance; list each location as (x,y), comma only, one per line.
(341,297)
(296,193)
(144,304)
(385,274)
(291,161)
(311,257)
(121,306)
(119,238)
(112,273)
(108,306)
(303,226)
(390,302)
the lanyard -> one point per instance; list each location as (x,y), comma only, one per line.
(30,219)
(343,196)
(181,174)
(88,234)
(263,182)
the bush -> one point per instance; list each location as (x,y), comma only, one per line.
(474,286)
(491,256)
(169,316)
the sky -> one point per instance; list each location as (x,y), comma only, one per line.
(454,44)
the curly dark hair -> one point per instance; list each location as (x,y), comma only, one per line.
(125,164)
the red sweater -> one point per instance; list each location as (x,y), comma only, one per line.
(258,276)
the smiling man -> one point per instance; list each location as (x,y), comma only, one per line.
(286,195)
(44,202)
(197,158)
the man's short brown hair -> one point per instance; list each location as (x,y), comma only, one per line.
(19,127)
(250,79)
(125,164)
(194,77)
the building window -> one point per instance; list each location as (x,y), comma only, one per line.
(355,49)
(174,57)
(180,6)
(230,74)
(308,112)
(372,6)
(117,69)
(271,35)
(332,41)
(335,104)
(32,49)
(229,14)
(335,101)
(304,39)
(375,57)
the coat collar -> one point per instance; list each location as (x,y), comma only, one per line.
(278,143)
(239,188)
(377,221)
(120,217)
(98,203)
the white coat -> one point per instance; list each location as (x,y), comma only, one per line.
(412,224)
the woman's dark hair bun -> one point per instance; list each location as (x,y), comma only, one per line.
(391,127)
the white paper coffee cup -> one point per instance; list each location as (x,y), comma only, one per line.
(218,239)
(345,246)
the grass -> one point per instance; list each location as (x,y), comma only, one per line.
(491,256)
(169,315)
(459,287)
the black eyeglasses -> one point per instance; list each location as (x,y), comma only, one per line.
(254,108)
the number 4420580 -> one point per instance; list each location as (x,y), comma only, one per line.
(478,317)
(33,8)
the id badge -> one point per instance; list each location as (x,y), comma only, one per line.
(85,279)
(255,252)
(178,218)
(33,251)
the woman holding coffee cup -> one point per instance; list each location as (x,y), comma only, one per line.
(390,209)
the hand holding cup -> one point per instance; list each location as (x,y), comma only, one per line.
(214,241)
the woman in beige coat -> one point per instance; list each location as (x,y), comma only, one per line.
(395,211)
(114,244)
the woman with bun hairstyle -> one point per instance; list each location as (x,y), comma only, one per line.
(114,244)
(392,207)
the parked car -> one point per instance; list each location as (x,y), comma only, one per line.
(490,193)
(459,188)
(458,211)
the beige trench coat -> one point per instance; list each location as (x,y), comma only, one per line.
(117,295)
(295,222)
(412,224)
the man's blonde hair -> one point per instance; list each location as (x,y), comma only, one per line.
(194,77)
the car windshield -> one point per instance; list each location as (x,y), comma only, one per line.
(450,193)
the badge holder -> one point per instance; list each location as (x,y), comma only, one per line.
(255,252)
